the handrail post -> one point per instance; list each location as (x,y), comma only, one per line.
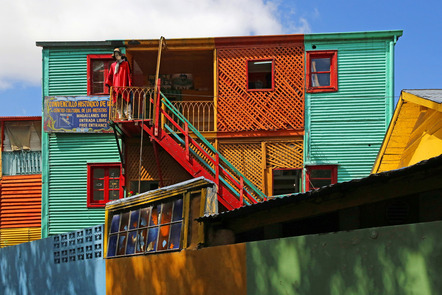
(157,108)
(186,136)
(241,190)
(217,169)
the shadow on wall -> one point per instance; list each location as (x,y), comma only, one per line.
(390,260)
(215,270)
(29,268)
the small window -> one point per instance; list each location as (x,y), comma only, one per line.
(97,68)
(260,75)
(286,181)
(319,176)
(104,184)
(151,229)
(322,71)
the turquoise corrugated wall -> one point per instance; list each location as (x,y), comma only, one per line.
(65,156)
(68,158)
(347,127)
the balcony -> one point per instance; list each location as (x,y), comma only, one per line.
(199,113)
(21,162)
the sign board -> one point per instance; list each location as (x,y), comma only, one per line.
(75,114)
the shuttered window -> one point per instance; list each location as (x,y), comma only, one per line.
(97,69)
(104,184)
(322,71)
(322,175)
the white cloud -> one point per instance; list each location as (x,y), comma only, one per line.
(26,21)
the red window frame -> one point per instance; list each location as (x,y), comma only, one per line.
(91,203)
(90,59)
(272,88)
(333,55)
(308,179)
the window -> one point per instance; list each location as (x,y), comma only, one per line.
(260,75)
(97,68)
(286,181)
(104,184)
(322,71)
(151,229)
(318,176)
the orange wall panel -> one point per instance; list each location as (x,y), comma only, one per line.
(215,270)
(20,201)
(279,109)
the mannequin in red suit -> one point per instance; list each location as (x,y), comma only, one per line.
(119,76)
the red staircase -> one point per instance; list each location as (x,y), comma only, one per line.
(173,132)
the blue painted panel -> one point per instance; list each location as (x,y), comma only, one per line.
(30,268)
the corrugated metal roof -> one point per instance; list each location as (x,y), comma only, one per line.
(282,200)
(430,94)
(20,118)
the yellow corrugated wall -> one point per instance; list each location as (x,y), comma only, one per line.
(14,236)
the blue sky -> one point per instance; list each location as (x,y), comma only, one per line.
(24,22)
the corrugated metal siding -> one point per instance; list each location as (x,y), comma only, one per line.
(20,201)
(67,70)
(15,236)
(347,127)
(68,158)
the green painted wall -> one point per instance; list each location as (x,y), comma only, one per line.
(390,260)
(68,158)
(65,156)
(347,127)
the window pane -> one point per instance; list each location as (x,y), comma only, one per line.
(320,80)
(178,210)
(98,77)
(260,74)
(112,245)
(145,215)
(166,214)
(97,65)
(164,237)
(97,88)
(175,236)
(321,64)
(98,195)
(124,221)
(121,244)
(115,223)
(154,215)
(114,183)
(134,219)
(152,239)
(131,241)
(317,183)
(114,173)
(320,173)
(98,173)
(98,184)
(114,195)
(141,240)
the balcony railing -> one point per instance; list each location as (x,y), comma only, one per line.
(21,162)
(128,103)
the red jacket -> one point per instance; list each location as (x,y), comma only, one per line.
(121,79)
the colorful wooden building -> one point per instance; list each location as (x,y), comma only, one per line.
(415,132)
(258,115)
(20,180)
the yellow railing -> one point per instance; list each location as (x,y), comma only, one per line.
(200,114)
(136,103)
(131,103)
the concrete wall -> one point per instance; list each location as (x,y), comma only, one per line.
(30,268)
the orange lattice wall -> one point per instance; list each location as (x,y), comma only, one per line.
(256,159)
(243,110)
(171,171)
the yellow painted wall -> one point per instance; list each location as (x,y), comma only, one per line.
(215,270)
(425,140)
